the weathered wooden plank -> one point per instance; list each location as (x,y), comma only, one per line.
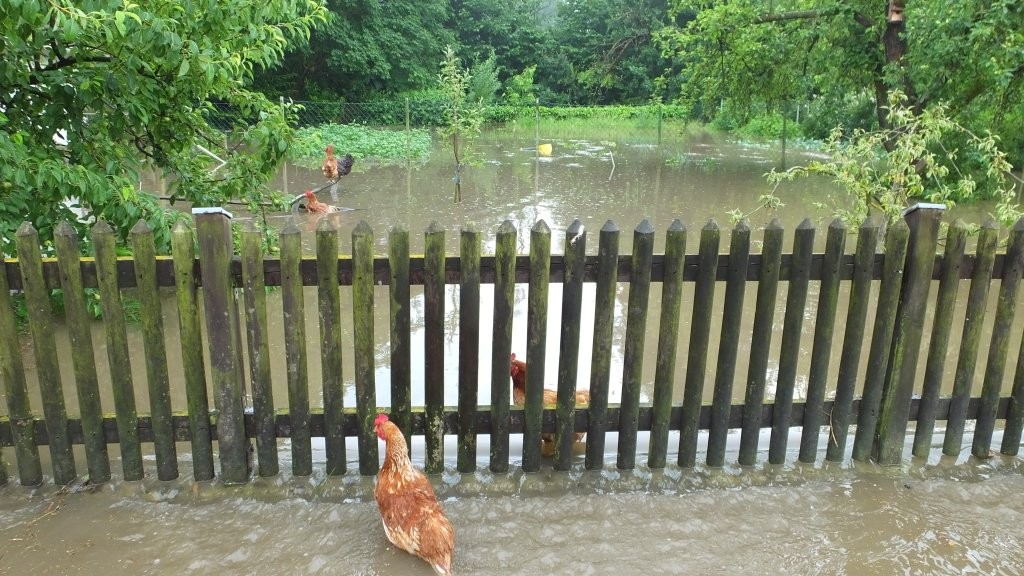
(569,344)
(900,380)
(400,324)
(935,365)
(83,360)
(792,329)
(501,344)
(296,350)
(700,334)
(600,359)
(821,348)
(668,338)
(1015,410)
(853,340)
(967,356)
(12,374)
(329,306)
(117,350)
(633,353)
(732,319)
(362,334)
(192,363)
(881,338)
(536,342)
(151,317)
(995,365)
(255,297)
(40,316)
(433,330)
(469,346)
(760,342)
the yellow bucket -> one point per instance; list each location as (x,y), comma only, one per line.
(544,149)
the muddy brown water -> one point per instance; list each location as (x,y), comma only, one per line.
(941,516)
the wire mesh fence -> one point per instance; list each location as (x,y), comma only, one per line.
(655,120)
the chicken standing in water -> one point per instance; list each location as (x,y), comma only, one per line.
(334,168)
(413,518)
(518,373)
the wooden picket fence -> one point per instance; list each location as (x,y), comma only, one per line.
(890,396)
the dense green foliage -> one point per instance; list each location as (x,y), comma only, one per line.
(840,63)
(366,145)
(95,91)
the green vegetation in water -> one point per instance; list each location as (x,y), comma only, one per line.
(380,146)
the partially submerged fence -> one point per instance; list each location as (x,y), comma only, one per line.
(890,397)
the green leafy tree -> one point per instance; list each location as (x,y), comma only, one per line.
(883,170)
(611,48)
(95,91)
(367,49)
(463,115)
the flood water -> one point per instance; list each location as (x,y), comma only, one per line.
(941,516)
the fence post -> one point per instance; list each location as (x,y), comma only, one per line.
(732,317)
(569,343)
(761,341)
(213,228)
(970,339)
(433,366)
(668,338)
(536,343)
(890,436)
(469,346)
(601,348)
(12,372)
(697,354)
(995,365)
(362,335)
(40,316)
(329,306)
(501,348)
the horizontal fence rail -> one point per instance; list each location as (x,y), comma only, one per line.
(878,407)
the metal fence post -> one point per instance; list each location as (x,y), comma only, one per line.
(213,228)
(890,436)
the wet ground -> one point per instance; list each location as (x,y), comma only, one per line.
(938,517)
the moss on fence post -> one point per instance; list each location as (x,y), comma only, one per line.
(894,410)
(668,338)
(213,228)
(536,343)
(600,360)
(761,341)
(155,350)
(79,324)
(569,343)
(469,346)
(938,346)
(792,328)
(193,365)
(329,306)
(433,320)
(853,340)
(821,348)
(995,367)
(117,351)
(881,338)
(40,316)
(732,318)
(362,334)
(974,320)
(295,349)
(700,334)
(501,343)
(400,323)
(633,349)
(12,373)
